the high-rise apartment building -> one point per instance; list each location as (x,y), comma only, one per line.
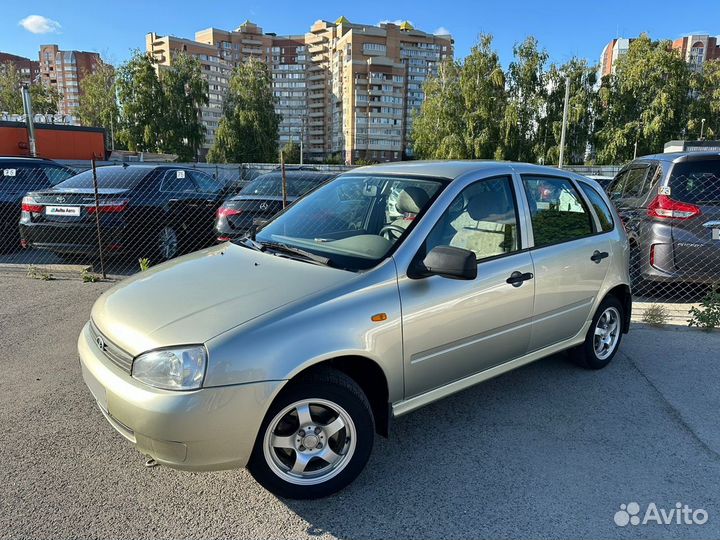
(343,89)
(697,49)
(29,70)
(64,70)
(694,49)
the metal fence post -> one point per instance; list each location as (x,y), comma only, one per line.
(97,218)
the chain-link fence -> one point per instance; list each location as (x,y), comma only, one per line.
(120,218)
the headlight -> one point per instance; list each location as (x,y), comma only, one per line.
(182,368)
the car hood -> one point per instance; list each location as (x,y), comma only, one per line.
(194,298)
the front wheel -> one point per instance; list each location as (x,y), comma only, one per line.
(315,439)
(603,337)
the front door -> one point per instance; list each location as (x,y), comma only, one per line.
(453,328)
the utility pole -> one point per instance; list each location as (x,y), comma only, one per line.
(702,128)
(564,122)
(27,106)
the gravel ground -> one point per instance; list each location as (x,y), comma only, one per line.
(549,450)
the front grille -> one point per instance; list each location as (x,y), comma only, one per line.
(112,352)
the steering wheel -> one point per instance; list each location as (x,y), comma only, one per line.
(387,229)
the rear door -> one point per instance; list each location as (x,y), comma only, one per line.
(696,238)
(571,256)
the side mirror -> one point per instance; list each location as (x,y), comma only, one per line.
(447,261)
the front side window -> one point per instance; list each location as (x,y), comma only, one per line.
(601,208)
(482,219)
(557,212)
(177,181)
(355,220)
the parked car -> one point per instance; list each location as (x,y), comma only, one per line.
(601,179)
(670,204)
(261,199)
(287,353)
(17,177)
(153,211)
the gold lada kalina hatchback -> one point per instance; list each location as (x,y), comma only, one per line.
(381,291)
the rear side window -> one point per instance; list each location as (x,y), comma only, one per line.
(23,178)
(696,182)
(557,211)
(601,208)
(629,183)
(177,181)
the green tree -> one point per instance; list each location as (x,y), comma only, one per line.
(439,127)
(646,100)
(98,101)
(141,104)
(184,93)
(580,112)
(10,83)
(291,152)
(45,99)
(526,100)
(248,131)
(482,82)
(705,88)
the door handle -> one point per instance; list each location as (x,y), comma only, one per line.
(598,256)
(516,278)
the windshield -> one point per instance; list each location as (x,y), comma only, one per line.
(355,220)
(297,184)
(108,177)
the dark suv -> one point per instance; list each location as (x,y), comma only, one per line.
(670,205)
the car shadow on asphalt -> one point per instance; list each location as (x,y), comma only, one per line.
(547,450)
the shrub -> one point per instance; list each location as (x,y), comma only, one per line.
(707,315)
(655,314)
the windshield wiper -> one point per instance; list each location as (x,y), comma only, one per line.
(306,255)
(248,242)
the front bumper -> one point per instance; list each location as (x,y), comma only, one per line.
(205,429)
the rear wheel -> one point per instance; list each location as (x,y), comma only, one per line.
(315,439)
(167,243)
(603,337)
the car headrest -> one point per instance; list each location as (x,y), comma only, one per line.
(411,200)
(490,203)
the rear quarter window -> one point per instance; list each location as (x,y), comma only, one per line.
(600,206)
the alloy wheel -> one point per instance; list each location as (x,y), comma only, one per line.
(167,243)
(309,441)
(607,333)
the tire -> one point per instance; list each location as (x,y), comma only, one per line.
(593,354)
(337,420)
(167,243)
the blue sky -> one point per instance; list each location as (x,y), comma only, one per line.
(564,27)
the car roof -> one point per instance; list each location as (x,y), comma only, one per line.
(27,159)
(453,169)
(677,157)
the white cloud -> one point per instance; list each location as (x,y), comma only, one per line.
(37,24)
(442,31)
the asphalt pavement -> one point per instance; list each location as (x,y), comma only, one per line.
(550,450)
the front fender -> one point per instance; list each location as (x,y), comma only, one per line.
(285,342)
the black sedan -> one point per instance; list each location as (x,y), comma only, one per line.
(261,199)
(143,210)
(18,176)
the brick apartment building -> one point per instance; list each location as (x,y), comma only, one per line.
(694,49)
(63,70)
(344,89)
(29,69)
